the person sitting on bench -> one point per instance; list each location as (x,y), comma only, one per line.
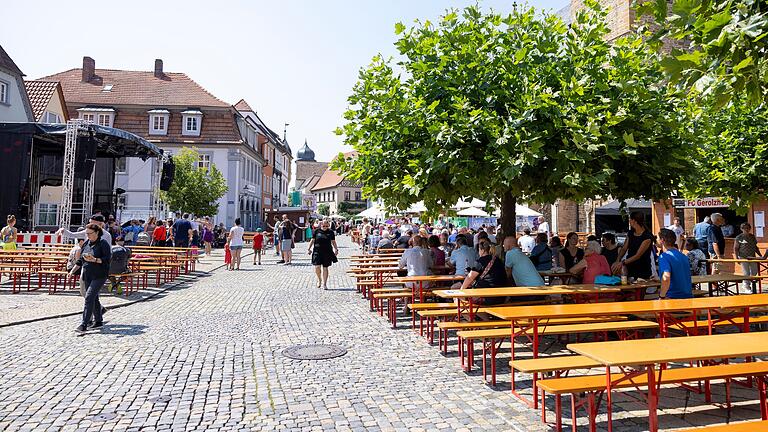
(674,268)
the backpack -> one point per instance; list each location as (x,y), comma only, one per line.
(118,264)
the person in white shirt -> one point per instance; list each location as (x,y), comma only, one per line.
(527,242)
(679,231)
(98,220)
(236,244)
(544,227)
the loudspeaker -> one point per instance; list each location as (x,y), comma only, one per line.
(85,157)
(169,170)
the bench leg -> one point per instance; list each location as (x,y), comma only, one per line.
(761,390)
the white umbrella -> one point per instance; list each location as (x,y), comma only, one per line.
(372,212)
(472,212)
(520,211)
(419,207)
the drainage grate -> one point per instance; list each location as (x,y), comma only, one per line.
(314,352)
(160,399)
(103,417)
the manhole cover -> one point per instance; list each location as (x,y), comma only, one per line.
(160,399)
(104,417)
(314,352)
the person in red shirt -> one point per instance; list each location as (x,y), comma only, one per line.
(160,235)
(258,245)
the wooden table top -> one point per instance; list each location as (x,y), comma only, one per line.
(663,350)
(374,264)
(737,260)
(430,278)
(723,277)
(375,269)
(526,291)
(630,307)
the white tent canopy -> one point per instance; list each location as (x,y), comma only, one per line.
(418,207)
(473,203)
(373,212)
(472,212)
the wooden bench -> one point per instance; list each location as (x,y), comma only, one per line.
(130,278)
(704,324)
(748,426)
(54,276)
(493,338)
(445,326)
(452,314)
(544,365)
(16,276)
(591,384)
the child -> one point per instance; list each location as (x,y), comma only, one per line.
(258,245)
(227,255)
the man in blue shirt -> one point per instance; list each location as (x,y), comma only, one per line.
(674,268)
(520,268)
(182,231)
(462,257)
(701,233)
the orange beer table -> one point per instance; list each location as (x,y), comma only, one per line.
(581,291)
(723,282)
(421,280)
(645,354)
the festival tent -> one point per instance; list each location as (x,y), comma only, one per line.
(473,203)
(373,212)
(472,212)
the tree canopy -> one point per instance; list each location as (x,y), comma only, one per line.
(194,190)
(729,49)
(516,106)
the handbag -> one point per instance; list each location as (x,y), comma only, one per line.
(480,282)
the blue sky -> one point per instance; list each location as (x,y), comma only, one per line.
(293,61)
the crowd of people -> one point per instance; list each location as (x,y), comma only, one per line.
(488,258)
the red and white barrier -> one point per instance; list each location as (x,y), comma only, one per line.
(38,239)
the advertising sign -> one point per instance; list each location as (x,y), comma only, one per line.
(698,203)
(308,202)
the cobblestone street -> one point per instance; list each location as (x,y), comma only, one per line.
(207,356)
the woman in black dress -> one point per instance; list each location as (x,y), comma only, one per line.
(324,250)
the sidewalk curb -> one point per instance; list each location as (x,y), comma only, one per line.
(122,305)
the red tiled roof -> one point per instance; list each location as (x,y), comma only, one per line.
(7,63)
(331,178)
(40,94)
(135,88)
(243,106)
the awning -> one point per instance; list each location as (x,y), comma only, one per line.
(110,142)
(612,208)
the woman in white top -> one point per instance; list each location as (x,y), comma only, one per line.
(236,244)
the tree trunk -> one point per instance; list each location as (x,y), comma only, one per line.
(508,217)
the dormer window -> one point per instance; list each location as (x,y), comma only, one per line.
(158,121)
(191,122)
(99,116)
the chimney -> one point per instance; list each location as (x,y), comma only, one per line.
(159,68)
(89,69)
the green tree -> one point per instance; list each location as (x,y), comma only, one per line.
(324,209)
(513,107)
(729,49)
(733,157)
(194,190)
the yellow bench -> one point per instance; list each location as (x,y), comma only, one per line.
(594,383)
(492,338)
(748,426)
(735,321)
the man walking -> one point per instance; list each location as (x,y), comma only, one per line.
(182,231)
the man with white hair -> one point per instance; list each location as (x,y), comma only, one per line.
(544,227)
(716,240)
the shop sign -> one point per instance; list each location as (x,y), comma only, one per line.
(698,203)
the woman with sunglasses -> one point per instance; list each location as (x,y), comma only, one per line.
(95,255)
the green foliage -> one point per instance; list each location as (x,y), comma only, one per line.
(729,51)
(518,106)
(324,209)
(194,190)
(346,207)
(734,154)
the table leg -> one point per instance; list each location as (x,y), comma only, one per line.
(535,338)
(421,291)
(653,395)
(608,398)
